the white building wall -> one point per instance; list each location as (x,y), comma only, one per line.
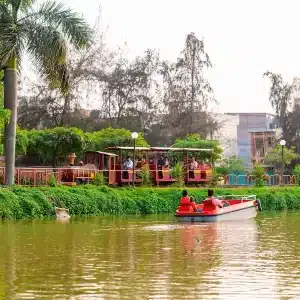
(227,133)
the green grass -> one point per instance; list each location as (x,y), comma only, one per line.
(33,203)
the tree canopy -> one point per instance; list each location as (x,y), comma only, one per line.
(274,157)
(43,30)
(110,137)
(285,100)
(194,141)
(164,100)
(52,146)
(232,165)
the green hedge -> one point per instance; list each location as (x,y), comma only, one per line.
(28,203)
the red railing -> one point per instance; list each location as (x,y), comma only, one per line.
(40,176)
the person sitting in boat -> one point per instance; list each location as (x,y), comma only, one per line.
(186,201)
(211,200)
(214,201)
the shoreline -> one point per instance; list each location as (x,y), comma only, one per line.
(88,200)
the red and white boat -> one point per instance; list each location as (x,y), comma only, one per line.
(238,208)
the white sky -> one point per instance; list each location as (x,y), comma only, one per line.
(243,38)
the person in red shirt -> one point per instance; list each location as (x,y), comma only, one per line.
(186,201)
(216,202)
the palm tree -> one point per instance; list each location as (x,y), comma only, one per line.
(44,32)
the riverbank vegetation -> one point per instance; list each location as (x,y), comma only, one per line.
(31,203)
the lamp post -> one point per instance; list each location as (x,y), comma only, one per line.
(134,136)
(282,144)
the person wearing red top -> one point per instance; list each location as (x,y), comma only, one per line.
(186,201)
(214,200)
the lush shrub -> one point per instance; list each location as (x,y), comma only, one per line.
(99,179)
(259,176)
(178,174)
(296,173)
(28,203)
(53,181)
(146,176)
(110,137)
(195,141)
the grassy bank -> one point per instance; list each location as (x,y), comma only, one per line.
(28,203)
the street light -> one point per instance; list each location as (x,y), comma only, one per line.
(134,136)
(282,144)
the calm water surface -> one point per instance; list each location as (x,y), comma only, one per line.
(151,257)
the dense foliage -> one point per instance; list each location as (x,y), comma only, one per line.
(296,173)
(284,98)
(110,137)
(52,146)
(26,203)
(4,113)
(44,30)
(258,173)
(274,157)
(195,141)
(163,99)
(231,165)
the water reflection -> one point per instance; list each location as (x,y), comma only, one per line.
(151,257)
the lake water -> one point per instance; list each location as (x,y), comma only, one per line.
(151,257)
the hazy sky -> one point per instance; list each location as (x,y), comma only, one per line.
(243,38)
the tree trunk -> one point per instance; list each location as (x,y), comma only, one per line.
(193,91)
(66,109)
(10,102)
(54,160)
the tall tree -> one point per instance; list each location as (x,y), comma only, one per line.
(127,97)
(187,92)
(281,99)
(44,33)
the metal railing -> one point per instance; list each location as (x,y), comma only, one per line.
(239,197)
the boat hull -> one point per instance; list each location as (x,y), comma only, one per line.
(242,211)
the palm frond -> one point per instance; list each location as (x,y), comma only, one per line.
(56,15)
(26,4)
(8,35)
(47,47)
